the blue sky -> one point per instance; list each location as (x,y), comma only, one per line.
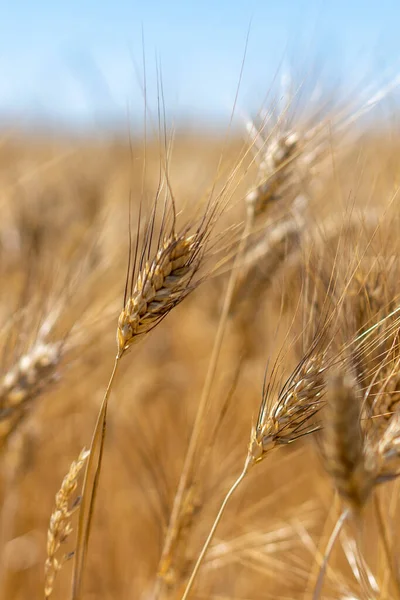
(76,61)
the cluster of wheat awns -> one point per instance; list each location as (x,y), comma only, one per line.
(343,310)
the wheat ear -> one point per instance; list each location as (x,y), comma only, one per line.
(152,289)
(173,525)
(256,203)
(344,443)
(32,373)
(60,522)
(160,285)
(289,416)
(344,454)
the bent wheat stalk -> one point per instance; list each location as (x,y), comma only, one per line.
(279,423)
(173,526)
(254,208)
(328,551)
(214,528)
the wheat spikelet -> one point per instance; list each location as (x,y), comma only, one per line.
(153,287)
(264,259)
(162,284)
(344,441)
(291,142)
(290,416)
(275,171)
(344,455)
(32,373)
(60,521)
(383,452)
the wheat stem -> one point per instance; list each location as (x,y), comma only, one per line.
(313,575)
(214,527)
(89,495)
(384,534)
(337,529)
(189,459)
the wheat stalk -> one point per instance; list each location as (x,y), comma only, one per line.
(289,415)
(176,514)
(153,287)
(287,420)
(277,182)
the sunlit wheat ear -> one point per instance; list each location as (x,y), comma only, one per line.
(280,422)
(288,149)
(160,285)
(271,241)
(60,522)
(290,415)
(31,362)
(162,270)
(275,170)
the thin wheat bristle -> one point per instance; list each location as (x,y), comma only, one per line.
(343,441)
(60,522)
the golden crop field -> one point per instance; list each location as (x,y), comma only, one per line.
(256,332)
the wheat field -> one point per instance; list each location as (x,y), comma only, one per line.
(294,241)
